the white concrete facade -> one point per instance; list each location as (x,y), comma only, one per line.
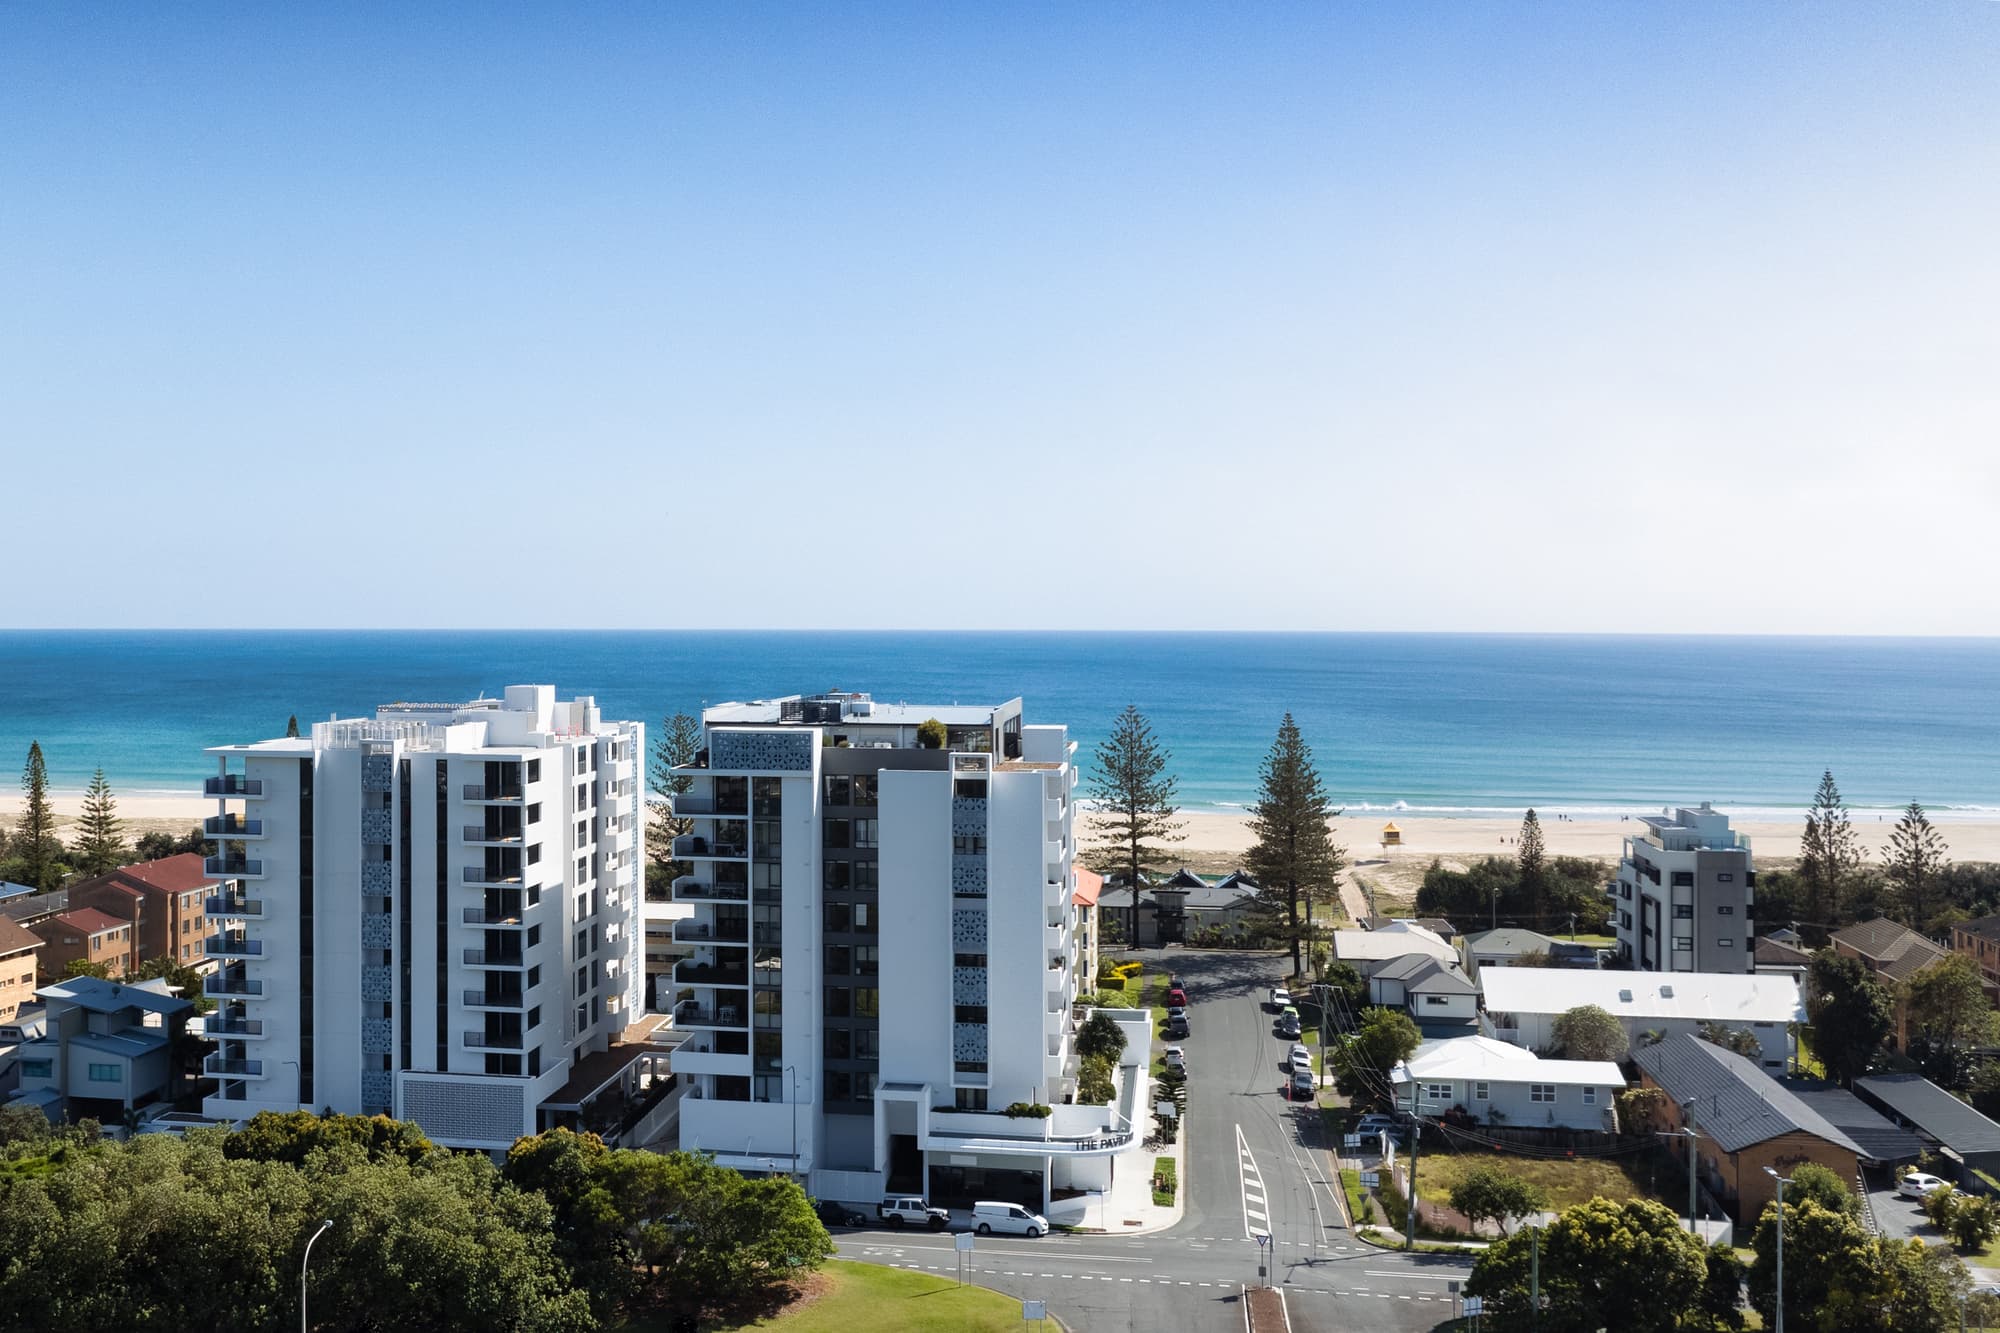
(888,949)
(431,913)
(1684,896)
(1522,1004)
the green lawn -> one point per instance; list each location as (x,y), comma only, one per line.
(1567,1180)
(888,1300)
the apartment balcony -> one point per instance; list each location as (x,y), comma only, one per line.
(222,986)
(493,795)
(711,1018)
(693,1057)
(690,889)
(488,875)
(230,904)
(233,785)
(696,847)
(479,833)
(701,932)
(232,867)
(232,946)
(691,973)
(231,828)
(217,1066)
(486,958)
(496,999)
(236,1029)
(494,1041)
(480,916)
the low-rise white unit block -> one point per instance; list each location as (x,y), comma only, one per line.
(1522,1004)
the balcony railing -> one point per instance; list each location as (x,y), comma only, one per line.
(690,1014)
(218,1066)
(479,791)
(232,867)
(482,958)
(232,784)
(232,986)
(480,916)
(488,875)
(231,826)
(235,1027)
(480,833)
(494,1041)
(688,889)
(496,999)
(232,946)
(691,845)
(701,932)
(229,904)
(708,974)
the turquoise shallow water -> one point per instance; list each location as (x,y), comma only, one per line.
(1444,723)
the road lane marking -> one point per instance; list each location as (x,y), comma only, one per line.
(1414,1277)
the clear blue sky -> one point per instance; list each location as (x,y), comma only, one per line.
(1449,316)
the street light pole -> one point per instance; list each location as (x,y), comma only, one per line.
(304,1327)
(1782,1182)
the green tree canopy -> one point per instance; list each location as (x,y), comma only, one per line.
(100,842)
(1485,1193)
(293,1136)
(1829,854)
(1531,857)
(1839,1279)
(37,854)
(1947,1004)
(1133,795)
(1818,1184)
(1101,1036)
(1385,1039)
(1915,862)
(1293,857)
(178,975)
(1629,1266)
(676,745)
(1590,1032)
(85,967)
(1851,1015)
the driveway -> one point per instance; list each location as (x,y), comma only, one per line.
(1898,1217)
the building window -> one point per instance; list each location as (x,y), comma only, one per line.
(968,1013)
(1725,943)
(1437,999)
(1590,1096)
(1683,911)
(1725,877)
(864,832)
(839,833)
(867,1002)
(1481,1091)
(1437,1092)
(107,1074)
(971,1099)
(1683,944)
(38,1069)
(1542,1092)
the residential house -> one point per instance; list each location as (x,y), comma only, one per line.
(107,1047)
(1368,950)
(1434,993)
(1171,911)
(1979,940)
(164,899)
(1436,925)
(84,933)
(1964,1137)
(1504,947)
(1775,956)
(19,948)
(1523,1003)
(1499,1083)
(1892,953)
(1744,1120)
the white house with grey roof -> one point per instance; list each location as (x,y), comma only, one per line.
(1521,1005)
(1498,1083)
(1433,992)
(1368,950)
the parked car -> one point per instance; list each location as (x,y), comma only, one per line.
(1917,1184)
(1176,1060)
(1298,1058)
(1175,1011)
(840,1215)
(1176,1028)
(1176,997)
(1281,999)
(910,1210)
(1377,1123)
(1288,1024)
(1304,1083)
(1008,1219)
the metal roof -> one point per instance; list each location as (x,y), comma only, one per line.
(1737,1104)
(1932,1110)
(1721,997)
(1881,1139)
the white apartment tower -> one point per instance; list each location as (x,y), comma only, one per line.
(1685,894)
(432,913)
(887,950)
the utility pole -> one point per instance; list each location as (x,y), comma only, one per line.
(1782,1182)
(1416,1140)
(1534,1277)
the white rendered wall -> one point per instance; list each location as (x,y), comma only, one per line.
(916,902)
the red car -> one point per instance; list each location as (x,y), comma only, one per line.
(1176,997)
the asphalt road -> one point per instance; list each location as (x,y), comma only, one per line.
(1253,1167)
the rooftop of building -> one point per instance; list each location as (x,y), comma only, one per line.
(88,920)
(108,997)
(1896,951)
(1692,828)
(1732,997)
(522,718)
(1487,1060)
(16,938)
(1736,1104)
(845,706)
(1984,927)
(170,874)
(1391,941)
(1422,972)
(1511,941)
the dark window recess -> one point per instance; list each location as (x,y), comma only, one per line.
(305,932)
(443,891)
(403,894)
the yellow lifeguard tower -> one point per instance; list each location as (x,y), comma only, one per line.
(1391,836)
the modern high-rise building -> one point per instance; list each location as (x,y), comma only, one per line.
(1684,895)
(432,913)
(888,941)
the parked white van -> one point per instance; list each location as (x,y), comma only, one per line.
(1008,1219)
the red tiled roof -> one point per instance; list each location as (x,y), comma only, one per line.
(1088,885)
(170,874)
(89,920)
(14,937)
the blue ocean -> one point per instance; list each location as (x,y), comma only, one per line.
(1442,723)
